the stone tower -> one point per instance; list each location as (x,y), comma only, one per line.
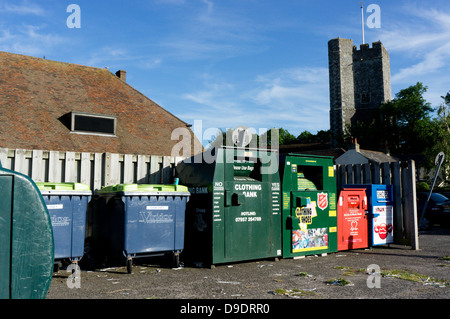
(360,81)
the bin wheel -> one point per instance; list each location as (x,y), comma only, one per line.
(129,265)
(176,260)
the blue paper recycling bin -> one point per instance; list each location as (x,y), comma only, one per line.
(67,204)
(139,220)
(380,199)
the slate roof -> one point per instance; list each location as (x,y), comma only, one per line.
(37,97)
(355,155)
(378,157)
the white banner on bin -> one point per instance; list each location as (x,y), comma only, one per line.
(382,232)
(55,206)
(157,207)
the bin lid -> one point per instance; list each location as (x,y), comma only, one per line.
(64,188)
(159,189)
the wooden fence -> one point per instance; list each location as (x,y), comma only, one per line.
(402,175)
(94,169)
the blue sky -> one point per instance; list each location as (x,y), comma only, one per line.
(258,63)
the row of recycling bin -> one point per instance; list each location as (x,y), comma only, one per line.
(125,221)
(229,210)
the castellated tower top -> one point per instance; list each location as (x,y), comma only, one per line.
(377,50)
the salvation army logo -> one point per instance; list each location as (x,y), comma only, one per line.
(322,198)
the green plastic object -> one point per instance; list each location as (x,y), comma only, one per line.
(304,183)
(26,239)
(309,205)
(62,187)
(143,188)
(234,212)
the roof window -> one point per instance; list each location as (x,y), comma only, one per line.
(85,123)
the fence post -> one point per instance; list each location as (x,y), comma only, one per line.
(37,166)
(4,157)
(155,171)
(106,169)
(410,204)
(349,170)
(398,212)
(85,168)
(340,176)
(70,167)
(54,167)
(166,170)
(20,161)
(357,169)
(141,170)
(386,173)
(128,169)
(376,173)
(367,176)
(96,176)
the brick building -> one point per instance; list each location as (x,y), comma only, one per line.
(58,106)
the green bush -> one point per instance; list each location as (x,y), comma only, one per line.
(422,187)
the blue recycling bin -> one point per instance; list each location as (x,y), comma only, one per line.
(139,220)
(380,199)
(67,204)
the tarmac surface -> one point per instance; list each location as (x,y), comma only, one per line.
(396,272)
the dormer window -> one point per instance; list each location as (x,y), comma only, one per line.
(96,124)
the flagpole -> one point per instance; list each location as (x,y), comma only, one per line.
(362,22)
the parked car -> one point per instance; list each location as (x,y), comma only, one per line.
(438,210)
(446,195)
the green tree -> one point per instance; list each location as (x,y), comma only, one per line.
(407,121)
(402,125)
(441,132)
(286,137)
(307,137)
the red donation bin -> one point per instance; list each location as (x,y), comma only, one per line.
(352,220)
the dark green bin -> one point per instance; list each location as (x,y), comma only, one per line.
(26,239)
(234,211)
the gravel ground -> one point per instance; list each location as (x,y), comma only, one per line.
(312,277)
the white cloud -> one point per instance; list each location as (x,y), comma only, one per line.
(213,31)
(430,62)
(294,99)
(216,97)
(294,86)
(29,39)
(425,41)
(120,57)
(103,56)
(26,8)
(209,5)
(151,63)
(177,2)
